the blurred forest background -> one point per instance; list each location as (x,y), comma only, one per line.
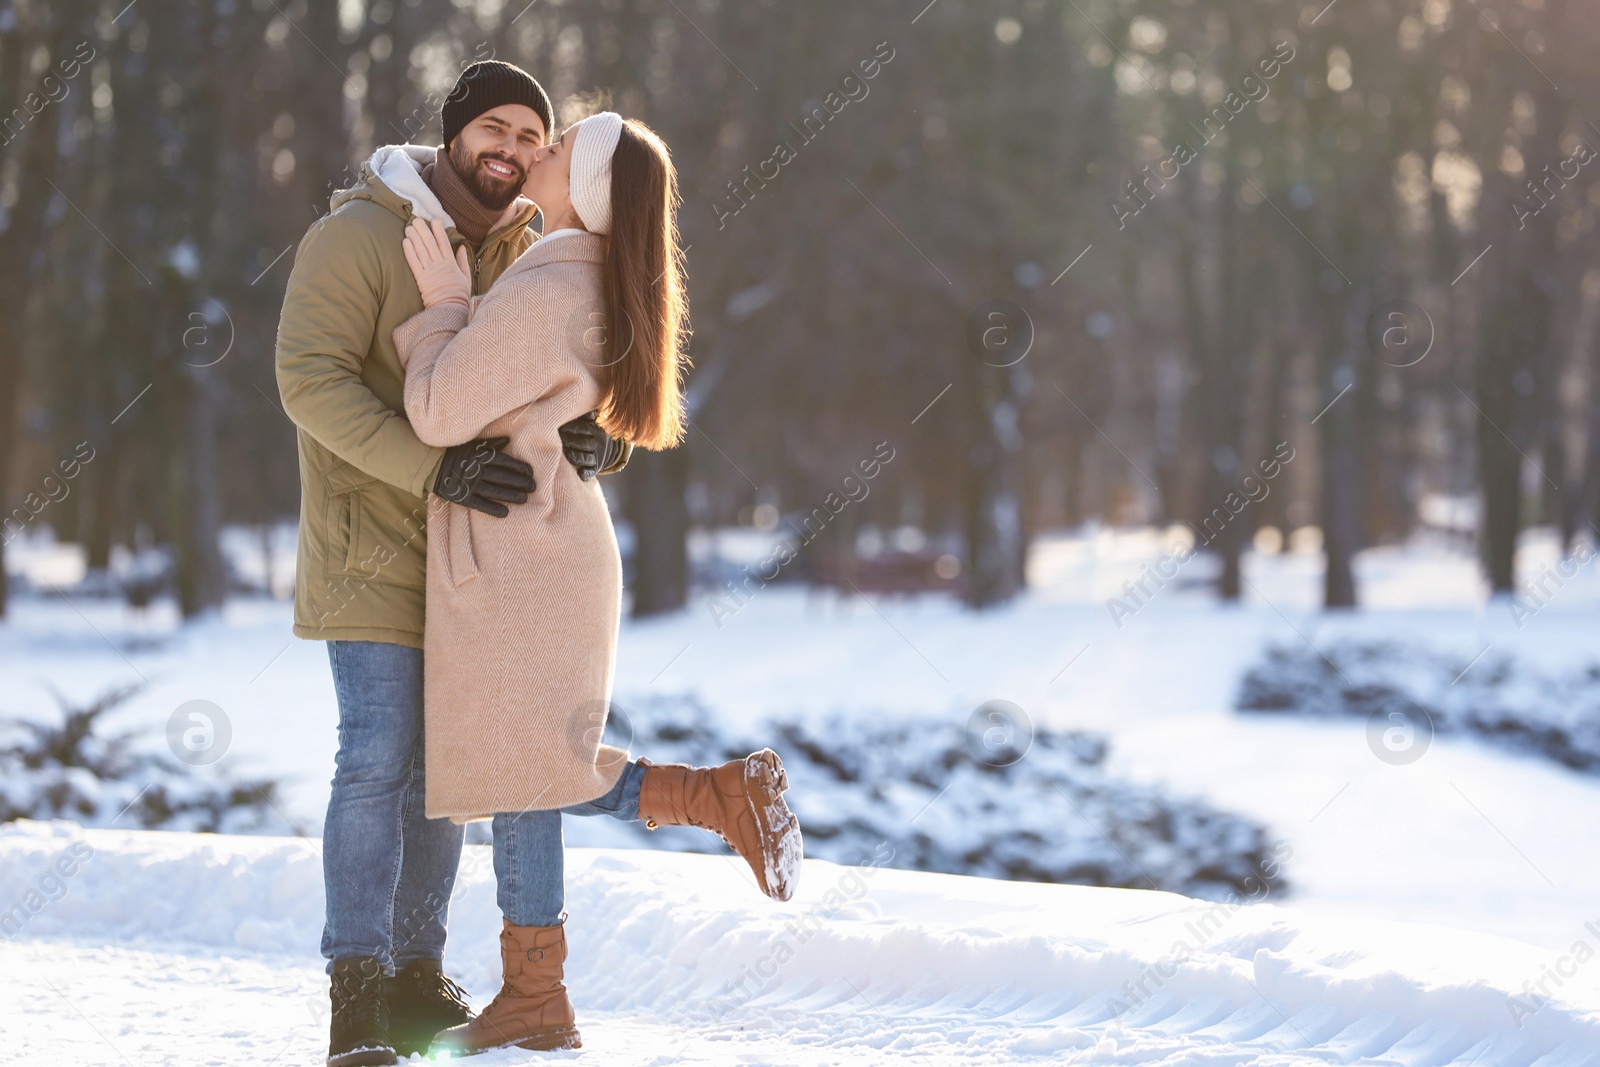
(1372,252)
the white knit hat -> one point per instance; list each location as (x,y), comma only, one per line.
(594,140)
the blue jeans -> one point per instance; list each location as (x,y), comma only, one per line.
(528,851)
(388,870)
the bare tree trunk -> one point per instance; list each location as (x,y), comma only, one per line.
(1561,486)
(657,507)
(1584,507)
(1275,509)
(993,489)
(398,114)
(1344,323)
(322,145)
(1516,330)
(196,492)
(201,574)
(1225,409)
(23,236)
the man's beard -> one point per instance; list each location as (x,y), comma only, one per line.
(495,194)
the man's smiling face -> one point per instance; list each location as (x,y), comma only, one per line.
(492,153)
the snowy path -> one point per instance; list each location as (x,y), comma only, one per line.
(676,959)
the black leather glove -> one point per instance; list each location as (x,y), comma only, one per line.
(480,476)
(591,450)
(618,456)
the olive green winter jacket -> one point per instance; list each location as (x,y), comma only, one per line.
(364,476)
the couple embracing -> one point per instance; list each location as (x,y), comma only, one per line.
(439,358)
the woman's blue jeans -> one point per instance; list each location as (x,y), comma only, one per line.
(528,851)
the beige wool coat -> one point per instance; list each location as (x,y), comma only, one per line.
(519,639)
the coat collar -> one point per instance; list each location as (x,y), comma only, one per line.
(573,248)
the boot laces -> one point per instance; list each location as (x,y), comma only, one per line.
(438,984)
(359,1000)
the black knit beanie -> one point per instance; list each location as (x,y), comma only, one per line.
(487,85)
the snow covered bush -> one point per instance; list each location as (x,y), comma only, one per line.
(1495,697)
(74,770)
(1053,815)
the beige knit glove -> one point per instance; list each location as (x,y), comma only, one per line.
(441,277)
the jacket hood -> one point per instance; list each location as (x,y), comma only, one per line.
(392,176)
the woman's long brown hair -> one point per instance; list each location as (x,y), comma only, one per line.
(645,306)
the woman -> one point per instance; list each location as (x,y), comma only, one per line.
(522,611)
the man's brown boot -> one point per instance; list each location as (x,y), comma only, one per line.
(531,1010)
(742,801)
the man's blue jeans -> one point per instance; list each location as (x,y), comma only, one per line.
(388,870)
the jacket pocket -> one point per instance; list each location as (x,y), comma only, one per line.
(344,533)
(371,531)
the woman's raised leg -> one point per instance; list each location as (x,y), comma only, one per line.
(742,802)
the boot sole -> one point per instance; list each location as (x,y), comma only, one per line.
(766,781)
(566,1037)
(364,1057)
(538,1041)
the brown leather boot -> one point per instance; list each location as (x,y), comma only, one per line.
(531,1010)
(741,801)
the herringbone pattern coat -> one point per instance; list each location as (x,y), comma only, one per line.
(521,613)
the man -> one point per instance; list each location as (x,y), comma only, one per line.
(367,483)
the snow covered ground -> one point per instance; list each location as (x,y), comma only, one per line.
(1491,843)
(191,949)
(1469,836)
